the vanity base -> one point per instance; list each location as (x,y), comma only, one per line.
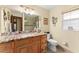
(36,44)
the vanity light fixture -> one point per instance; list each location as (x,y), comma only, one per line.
(28,10)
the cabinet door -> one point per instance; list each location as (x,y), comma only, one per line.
(22,50)
(36,44)
(6,47)
(44,43)
(36,48)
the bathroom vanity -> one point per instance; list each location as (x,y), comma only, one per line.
(33,43)
(13,21)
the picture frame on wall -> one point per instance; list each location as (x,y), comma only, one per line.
(54,20)
(45,21)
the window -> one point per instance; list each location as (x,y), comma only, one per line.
(71,20)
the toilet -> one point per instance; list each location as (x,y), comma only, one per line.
(51,43)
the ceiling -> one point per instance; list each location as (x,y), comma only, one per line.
(48,7)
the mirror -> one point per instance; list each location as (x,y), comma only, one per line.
(31,22)
(19,21)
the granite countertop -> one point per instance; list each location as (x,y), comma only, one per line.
(6,38)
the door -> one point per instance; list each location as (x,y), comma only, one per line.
(16,23)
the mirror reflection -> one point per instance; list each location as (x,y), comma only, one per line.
(31,22)
(19,21)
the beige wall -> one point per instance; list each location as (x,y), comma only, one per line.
(71,37)
(0,22)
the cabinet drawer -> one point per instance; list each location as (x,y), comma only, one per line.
(43,36)
(36,39)
(21,42)
(43,41)
(24,49)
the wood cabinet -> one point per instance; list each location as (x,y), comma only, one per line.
(7,47)
(36,44)
(43,43)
